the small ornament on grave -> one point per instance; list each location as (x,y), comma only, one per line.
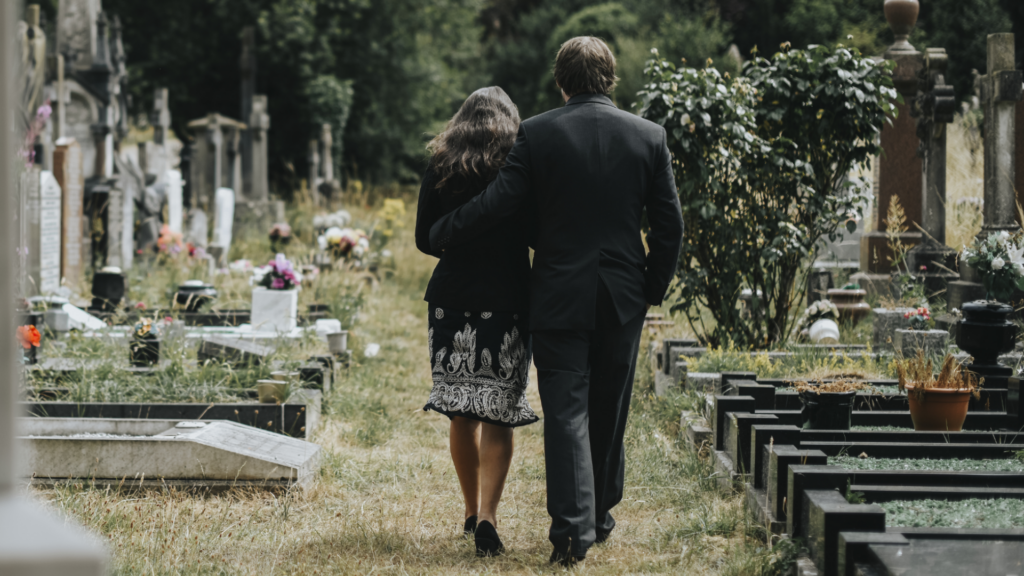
(108,288)
(193,295)
(818,323)
(144,349)
(273,391)
(937,403)
(851,304)
(999,260)
(29,338)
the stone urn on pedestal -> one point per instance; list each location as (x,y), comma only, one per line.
(851,304)
(985,332)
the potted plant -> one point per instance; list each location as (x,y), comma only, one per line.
(818,323)
(828,406)
(275,298)
(937,403)
(273,391)
(28,337)
(144,349)
(999,260)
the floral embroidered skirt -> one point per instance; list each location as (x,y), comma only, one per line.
(480,366)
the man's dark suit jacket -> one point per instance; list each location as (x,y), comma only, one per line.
(590,169)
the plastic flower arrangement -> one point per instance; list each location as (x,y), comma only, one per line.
(145,330)
(169,242)
(920,319)
(391,213)
(278,274)
(820,310)
(999,260)
(28,336)
(338,219)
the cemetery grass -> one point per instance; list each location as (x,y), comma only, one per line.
(387,500)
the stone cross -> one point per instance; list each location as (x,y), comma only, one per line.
(900,169)
(160,117)
(259,123)
(1000,91)
(931,260)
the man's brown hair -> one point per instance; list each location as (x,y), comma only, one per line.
(585,65)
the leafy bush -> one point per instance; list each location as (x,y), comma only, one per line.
(762,165)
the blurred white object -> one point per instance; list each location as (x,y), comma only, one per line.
(824,331)
(372,350)
(81,320)
(337,343)
(325,326)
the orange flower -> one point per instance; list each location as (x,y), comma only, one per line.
(28,336)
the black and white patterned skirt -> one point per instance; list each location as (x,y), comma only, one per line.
(480,364)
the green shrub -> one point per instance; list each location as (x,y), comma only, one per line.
(762,165)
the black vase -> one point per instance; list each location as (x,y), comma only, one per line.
(108,290)
(986,332)
(192,297)
(827,410)
(142,352)
(29,355)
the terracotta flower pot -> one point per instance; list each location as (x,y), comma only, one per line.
(940,410)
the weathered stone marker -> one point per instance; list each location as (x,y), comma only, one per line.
(1001,90)
(233,350)
(68,170)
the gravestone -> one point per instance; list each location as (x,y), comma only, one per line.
(1001,91)
(931,261)
(174,201)
(224,219)
(235,351)
(158,155)
(899,173)
(197,228)
(49,248)
(68,170)
(256,177)
(217,454)
(313,160)
(215,161)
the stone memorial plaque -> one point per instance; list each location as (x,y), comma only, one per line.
(49,249)
(951,557)
(255,443)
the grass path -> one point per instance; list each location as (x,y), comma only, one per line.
(387,500)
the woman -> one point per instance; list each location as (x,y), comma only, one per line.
(479,335)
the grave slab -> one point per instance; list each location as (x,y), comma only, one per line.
(184,451)
(236,351)
(948,557)
(827,513)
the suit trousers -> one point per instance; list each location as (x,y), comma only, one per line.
(585,379)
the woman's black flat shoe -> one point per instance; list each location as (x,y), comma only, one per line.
(470,526)
(487,541)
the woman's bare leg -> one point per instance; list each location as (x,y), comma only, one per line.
(495,458)
(464,439)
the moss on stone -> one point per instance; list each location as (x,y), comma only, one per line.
(953,464)
(974,513)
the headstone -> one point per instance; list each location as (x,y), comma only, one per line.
(1001,91)
(174,201)
(899,167)
(224,218)
(185,453)
(49,248)
(27,213)
(931,261)
(215,161)
(197,228)
(235,351)
(157,156)
(931,342)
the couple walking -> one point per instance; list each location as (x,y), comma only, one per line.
(573,184)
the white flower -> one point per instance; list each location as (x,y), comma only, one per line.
(998,263)
(1015,254)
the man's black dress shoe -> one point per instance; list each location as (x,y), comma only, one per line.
(470,526)
(565,559)
(487,541)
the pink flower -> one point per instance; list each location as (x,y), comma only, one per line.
(277,284)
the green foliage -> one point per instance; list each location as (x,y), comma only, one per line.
(330,101)
(762,166)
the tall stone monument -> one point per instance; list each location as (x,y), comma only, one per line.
(1001,91)
(900,168)
(215,160)
(256,142)
(932,261)
(70,174)
(32,540)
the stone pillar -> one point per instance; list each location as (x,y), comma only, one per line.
(174,200)
(247,67)
(314,171)
(46,263)
(60,107)
(69,172)
(157,156)
(327,141)
(932,261)
(32,540)
(259,122)
(1001,91)
(900,169)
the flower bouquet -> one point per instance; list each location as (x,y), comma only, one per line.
(144,349)
(999,260)
(819,322)
(344,242)
(275,299)
(29,339)
(920,319)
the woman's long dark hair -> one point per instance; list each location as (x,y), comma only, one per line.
(477,139)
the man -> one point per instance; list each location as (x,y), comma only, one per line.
(590,170)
